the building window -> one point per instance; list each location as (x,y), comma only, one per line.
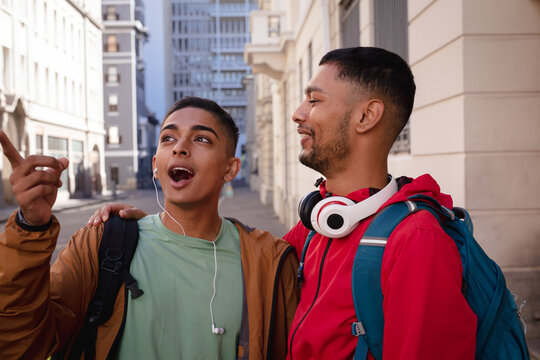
(112,44)
(273,26)
(58,147)
(112,77)
(39,144)
(391,33)
(391,26)
(310,61)
(114,174)
(113,136)
(77,151)
(111,14)
(350,23)
(113,103)
(5,68)
(300,80)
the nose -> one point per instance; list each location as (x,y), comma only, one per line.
(300,115)
(181,148)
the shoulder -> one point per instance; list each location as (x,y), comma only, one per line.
(85,242)
(420,223)
(420,238)
(259,241)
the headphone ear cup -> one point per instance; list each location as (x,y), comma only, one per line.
(332,216)
(305,207)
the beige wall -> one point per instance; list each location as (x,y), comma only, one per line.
(475,124)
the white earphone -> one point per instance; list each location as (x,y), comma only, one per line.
(338,216)
(215,330)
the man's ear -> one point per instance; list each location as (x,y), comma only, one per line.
(233,167)
(372,113)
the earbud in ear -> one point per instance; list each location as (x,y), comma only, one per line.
(155,173)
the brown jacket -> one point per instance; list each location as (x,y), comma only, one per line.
(43,307)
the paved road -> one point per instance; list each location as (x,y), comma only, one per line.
(244,205)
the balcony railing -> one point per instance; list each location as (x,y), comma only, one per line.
(111,16)
(269,34)
(111,47)
(112,78)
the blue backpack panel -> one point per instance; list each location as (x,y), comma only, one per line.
(499,333)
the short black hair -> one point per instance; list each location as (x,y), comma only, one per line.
(379,71)
(212,107)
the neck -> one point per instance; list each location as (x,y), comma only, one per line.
(365,171)
(197,222)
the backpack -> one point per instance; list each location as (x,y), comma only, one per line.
(499,334)
(116,250)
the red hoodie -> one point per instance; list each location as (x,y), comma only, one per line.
(426,316)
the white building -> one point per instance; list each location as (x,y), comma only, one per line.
(475,124)
(51,87)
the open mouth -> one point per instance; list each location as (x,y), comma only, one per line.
(179,173)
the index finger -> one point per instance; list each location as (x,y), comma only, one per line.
(10,151)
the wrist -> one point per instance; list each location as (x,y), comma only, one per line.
(23,223)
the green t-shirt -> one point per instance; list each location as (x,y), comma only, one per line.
(172,319)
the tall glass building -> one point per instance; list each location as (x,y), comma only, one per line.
(208,39)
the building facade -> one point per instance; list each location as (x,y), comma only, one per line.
(474,126)
(51,87)
(126,118)
(208,38)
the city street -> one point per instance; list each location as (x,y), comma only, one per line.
(243,205)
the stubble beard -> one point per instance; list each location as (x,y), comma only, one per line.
(323,156)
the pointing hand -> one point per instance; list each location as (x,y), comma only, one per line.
(34,181)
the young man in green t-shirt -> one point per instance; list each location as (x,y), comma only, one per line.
(212,288)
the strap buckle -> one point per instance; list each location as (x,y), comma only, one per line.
(358,328)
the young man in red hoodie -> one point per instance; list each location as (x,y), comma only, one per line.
(355,106)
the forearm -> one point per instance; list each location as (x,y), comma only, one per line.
(24,289)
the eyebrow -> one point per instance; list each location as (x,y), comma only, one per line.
(311,89)
(193,128)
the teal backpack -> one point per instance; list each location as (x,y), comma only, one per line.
(500,329)
(499,334)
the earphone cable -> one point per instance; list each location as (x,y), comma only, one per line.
(214,284)
(162,208)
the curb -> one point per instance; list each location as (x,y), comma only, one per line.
(57,208)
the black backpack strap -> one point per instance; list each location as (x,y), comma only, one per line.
(118,245)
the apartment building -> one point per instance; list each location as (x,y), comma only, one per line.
(128,153)
(208,38)
(51,87)
(474,126)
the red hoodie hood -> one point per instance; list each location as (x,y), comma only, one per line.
(423,184)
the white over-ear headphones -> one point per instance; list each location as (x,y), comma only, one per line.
(338,216)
